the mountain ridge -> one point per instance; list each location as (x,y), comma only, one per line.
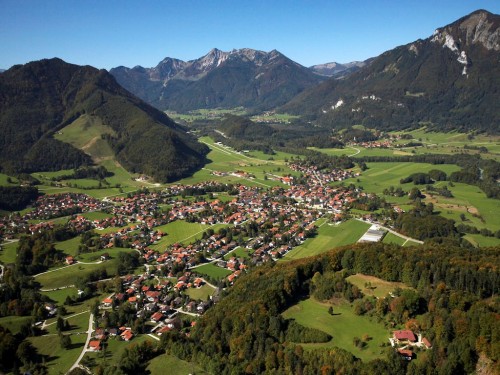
(241,77)
(40,98)
(446,81)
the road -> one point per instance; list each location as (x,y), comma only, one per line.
(84,350)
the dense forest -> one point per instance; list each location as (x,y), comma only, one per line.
(456,292)
(16,197)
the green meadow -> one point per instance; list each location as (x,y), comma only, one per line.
(168,364)
(329,236)
(213,271)
(58,360)
(61,277)
(343,326)
(202,293)
(8,252)
(14,323)
(373,286)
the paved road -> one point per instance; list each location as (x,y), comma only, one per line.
(89,335)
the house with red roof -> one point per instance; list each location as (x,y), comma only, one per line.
(404,336)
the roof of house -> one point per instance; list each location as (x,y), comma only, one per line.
(405,335)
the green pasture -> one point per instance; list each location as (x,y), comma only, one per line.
(343,326)
(83,131)
(380,176)
(328,237)
(482,241)
(96,255)
(58,360)
(114,350)
(239,252)
(169,364)
(70,246)
(180,231)
(96,215)
(202,293)
(472,202)
(14,323)
(78,321)
(392,238)
(59,295)
(66,276)
(8,252)
(212,270)
(373,286)
(4,182)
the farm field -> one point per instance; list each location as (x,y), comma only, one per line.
(67,276)
(392,238)
(472,202)
(180,231)
(14,323)
(114,351)
(202,293)
(212,271)
(373,286)
(343,326)
(8,252)
(225,159)
(239,252)
(328,237)
(69,247)
(58,360)
(168,364)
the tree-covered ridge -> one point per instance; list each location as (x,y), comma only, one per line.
(454,287)
(42,97)
(426,81)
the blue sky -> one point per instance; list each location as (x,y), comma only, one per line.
(109,33)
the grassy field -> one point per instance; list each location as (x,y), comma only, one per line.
(58,360)
(67,276)
(115,350)
(377,287)
(4,182)
(202,293)
(212,271)
(343,326)
(481,241)
(14,323)
(392,238)
(168,364)
(328,237)
(69,247)
(96,215)
(180,231)
(8,252)
(206,114)
(239,252)
(225,159)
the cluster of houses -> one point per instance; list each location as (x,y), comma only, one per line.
(405,341)
(317,177)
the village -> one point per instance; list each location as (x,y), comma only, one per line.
(265,223)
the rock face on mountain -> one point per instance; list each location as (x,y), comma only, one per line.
(41,97)
(448,81)
(245,77)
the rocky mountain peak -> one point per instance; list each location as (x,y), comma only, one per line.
(479,27)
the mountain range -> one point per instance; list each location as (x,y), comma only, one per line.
(40,99)
(338,70)
(449,81)
(248,78)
